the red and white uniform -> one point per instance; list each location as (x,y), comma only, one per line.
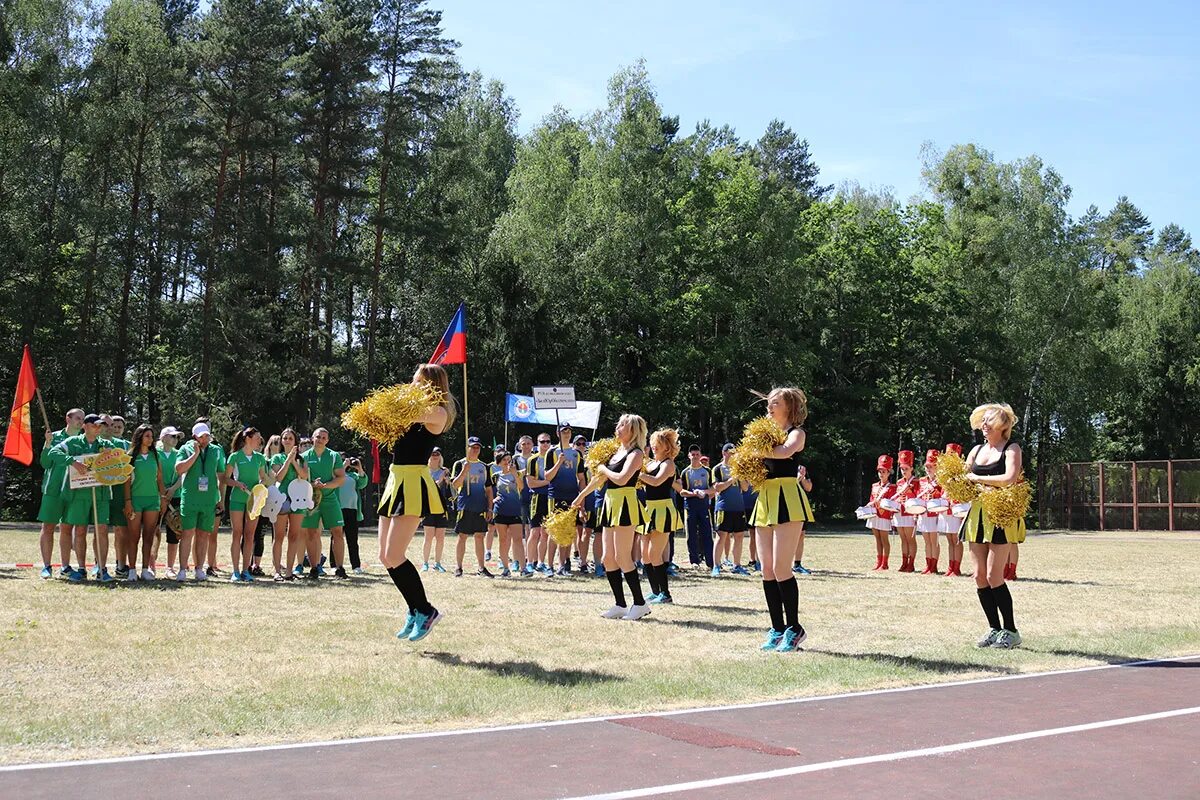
(882,521)
(905,489)
(928,489)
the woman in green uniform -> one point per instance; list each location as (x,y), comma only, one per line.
(287,466)
(168,437)
(328,473)
(245,468)
(143,498)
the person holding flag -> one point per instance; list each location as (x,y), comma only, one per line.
(86,506)
(56,494)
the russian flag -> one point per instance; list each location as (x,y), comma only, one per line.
(452,349)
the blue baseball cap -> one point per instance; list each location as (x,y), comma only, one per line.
(474,441)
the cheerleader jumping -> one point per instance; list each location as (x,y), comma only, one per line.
(881,523)
(927,523)
(949,524)
(905,523)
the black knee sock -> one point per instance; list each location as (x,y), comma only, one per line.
(1003,601)
(652,578)
(614,581)
(664,580)
(988,600)
(408,581)
(774,604)
(635,587)
(790,595)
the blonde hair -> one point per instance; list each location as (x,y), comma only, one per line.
(276,441)
(795,400)
(637,429)
(669,438)
(436,374)
(1001,413)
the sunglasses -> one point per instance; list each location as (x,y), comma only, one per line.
(543,441)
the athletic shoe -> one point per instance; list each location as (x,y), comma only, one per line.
(800,569)
(122,572)
(437,567)
(105,577)
(298,570)
(289,577)
(46,572)
(171,573)
(774,637)
(565,571)
(257,571)
(148,574)
(792,639)
(314,574)
(653,599)
(340,572)
(528,570)
(716,572)
(278,577)
(758,566)
(359,571)
(515,566)
(1007,640)
(505,573)
(305,563)
(424,624)
(76,576)
(94,571)
(212,571)
(637,612)
(600,573)
(247,576)
(673,569)
(320,571)
(236,577)
(425,567)
(637,565)
(666,599)
(483,573)
(409,622)
(131,575)
(616,612)
(487,555)
(458,572)
(323,560)
(989,639)
(65,571)
(200,575)
(739,570)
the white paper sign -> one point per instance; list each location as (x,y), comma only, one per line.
(553,397)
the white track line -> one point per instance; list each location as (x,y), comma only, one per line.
(397,737)
(902,755)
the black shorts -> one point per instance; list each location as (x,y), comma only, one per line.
(731,521)
(591,518)
(470,522)
(538,508)
(435,521)
(505,519)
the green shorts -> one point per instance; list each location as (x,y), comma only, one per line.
(116,513)
(198,518)
(147,503)
(237,503)
(328,513)
(79,510)
(53,509)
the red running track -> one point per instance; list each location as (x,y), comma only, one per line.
(1101,732)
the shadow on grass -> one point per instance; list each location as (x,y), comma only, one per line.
(715,627)
(829,573)
(1109,658)
(744,611)
(1055,582)
(939,666)
(527,669)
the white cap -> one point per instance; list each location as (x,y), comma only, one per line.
(168,431)
(200,429)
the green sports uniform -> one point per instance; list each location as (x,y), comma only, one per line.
(200,492)
(168,461)
(245,470)
(116,510)
(144,493)
(79,508)
(56,490)
(328,509)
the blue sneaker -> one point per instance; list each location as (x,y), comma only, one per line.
(716,573)
(672,569)
(758,566)
(727,564)
(774,637)
(792,639)
(94,571)
(322,560)
(299,570)
(665,599)
(105,577)
(409,622)
(424,624)
(654,599)
(46,573)
(515,566)
(76,576)
(739,570)
(321,570)
(799,569)
(600,571)
(247,577)
(65,571)
(425,567)
(235,577)
(487,555)
(437,567)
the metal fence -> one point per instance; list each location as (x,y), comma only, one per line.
(1121,495)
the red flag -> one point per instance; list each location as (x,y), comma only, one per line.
(452,349)
(374,461)
(18,442)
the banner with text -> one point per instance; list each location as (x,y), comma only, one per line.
(519,408)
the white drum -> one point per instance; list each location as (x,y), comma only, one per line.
(865,512)
(938,505)
(914,506)
(888,504)
(960,509)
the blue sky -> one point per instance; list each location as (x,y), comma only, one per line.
(1106,93)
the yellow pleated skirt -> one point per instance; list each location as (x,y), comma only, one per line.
(410,491)
(621,508)
(662,516)
(978,528)
(781,500)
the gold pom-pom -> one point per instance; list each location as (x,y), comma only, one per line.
(386,414)
(599,454)
(1006,505)
(759,438)
(560,524)
(951,474)
(748,468)
(112,467)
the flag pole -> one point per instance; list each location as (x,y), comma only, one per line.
(466,411)
(42,406)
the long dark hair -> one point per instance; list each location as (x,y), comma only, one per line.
(135,443)
(240,438)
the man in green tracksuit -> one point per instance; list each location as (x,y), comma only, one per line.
(114,431)
(90,505)
(56,493)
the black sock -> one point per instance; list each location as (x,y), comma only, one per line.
(635,587)
(614,581)
(652,578)
(1003,601)
(774,604)
(408,581)
(790,593)
(988,601)
(664,580)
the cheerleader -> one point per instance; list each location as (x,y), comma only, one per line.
(409,495)
(881,523)
(621,516)
(993,464)
(948,524)
(905,523)
(777,519)
(927,523)
(662,519)
(434,525)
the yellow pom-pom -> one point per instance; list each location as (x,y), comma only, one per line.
(1007,505)
(599,454)
(759,438)
(112,467)
(560,524)
(951,474)
(386,414)
(749,468)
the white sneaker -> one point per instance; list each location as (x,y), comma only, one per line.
(200,576)
(359,571)
(181,575)
(636,612)
(616,612)
(148,575)
(132,576)
(170,573)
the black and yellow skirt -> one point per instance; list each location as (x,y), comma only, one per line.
(621,508)
(978,528)
(662,516)
(410,491)
(781,500)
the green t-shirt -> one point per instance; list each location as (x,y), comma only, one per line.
(168,461)
(145,475)
(54,479)
(277,461)
(245,469)
(66,451)
(207,466)
(322,468)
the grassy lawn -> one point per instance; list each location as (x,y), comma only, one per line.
(97,670)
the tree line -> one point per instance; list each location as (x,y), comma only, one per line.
(260,210)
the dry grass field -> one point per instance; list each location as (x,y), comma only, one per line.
(91,670)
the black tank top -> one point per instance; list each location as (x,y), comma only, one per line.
(996,468)
(415,446)
(783,467)
(617,466)
(663,490)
